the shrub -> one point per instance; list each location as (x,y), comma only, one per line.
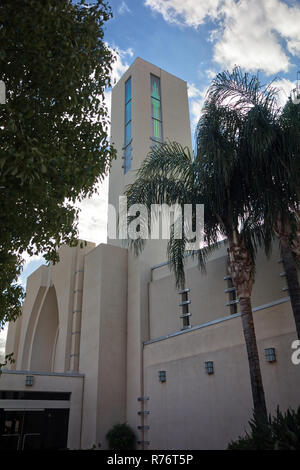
(121,437)
(281,432)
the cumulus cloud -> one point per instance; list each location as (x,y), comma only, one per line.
(123,8)
(196,102)
(249,39)
(254,34)
(211,73)
(121,63)
(284,87)
(191,12)
(285,20)
(92,224)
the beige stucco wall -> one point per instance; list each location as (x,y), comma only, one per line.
(103,342)
(193,410)
(208,299)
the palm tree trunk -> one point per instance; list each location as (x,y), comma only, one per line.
(258,394)
(241,268)
(292,282)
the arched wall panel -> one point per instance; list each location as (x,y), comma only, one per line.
(45,334)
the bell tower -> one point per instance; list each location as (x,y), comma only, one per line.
(149,106)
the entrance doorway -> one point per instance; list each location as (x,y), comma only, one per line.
(33,429)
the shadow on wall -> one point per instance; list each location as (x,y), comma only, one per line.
(45,335)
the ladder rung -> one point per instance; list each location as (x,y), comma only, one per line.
(143,398)
(184,291)
(185,315)
(230,289)
(185,302)
(232,302)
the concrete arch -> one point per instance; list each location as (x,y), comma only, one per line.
(45,334)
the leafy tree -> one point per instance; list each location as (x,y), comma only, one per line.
(53,127)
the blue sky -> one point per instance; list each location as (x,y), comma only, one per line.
(194,40)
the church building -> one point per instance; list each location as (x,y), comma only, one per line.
(105,337)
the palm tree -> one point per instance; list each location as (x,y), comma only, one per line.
(288,227)
(272,141)
(215,178)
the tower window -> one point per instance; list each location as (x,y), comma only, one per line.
(127,137)
(156,109)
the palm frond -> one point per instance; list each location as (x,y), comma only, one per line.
(242,91)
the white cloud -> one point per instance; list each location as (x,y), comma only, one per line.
(120,65)
(193,92)
(252,33)
(196,102)
(27,258)
(211,73)
(249,40)
(190,12)
(92,224)
(123,8)
(284,87)
(285,20)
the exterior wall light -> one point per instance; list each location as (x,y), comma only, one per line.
(209,367)
(162,376)
(270,355)
(29,380)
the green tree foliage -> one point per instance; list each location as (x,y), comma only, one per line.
(53,127)
(281,432)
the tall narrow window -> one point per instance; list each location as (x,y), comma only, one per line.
(156,109)
(127,138)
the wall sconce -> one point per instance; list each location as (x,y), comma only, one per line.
(29,380)
(270,355)
(162,376)
(209,367)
